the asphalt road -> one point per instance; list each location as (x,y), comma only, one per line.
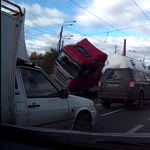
(122,119)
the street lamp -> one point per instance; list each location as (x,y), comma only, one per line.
(66,37)
(61,31)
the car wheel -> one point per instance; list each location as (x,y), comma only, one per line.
(106,104)
(82,123)
(140,101)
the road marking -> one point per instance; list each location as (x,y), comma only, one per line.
(112,112)
(135,129)
(149,119)
(99,104)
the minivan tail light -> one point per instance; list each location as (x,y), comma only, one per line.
(99,84)
(131,85)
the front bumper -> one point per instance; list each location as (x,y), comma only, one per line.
(116,97)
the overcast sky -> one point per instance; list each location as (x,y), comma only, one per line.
(105,23)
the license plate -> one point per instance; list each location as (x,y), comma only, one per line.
(113,85)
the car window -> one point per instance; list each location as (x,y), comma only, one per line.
(36,84)
(139,76)
(147,77)
(118,75)
(136,75)
(143,79)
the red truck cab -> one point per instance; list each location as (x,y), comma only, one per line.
(78,67)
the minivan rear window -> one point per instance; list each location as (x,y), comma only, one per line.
(118,75)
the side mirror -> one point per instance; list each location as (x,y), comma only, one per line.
(63,94)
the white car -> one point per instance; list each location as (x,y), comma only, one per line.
(41,103)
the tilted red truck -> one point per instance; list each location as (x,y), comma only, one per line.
(78,67)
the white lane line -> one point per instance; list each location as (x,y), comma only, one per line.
(149,119)
(135,129)
(98,104)
(112,112)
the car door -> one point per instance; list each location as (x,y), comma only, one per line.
(145,85)
(45,107)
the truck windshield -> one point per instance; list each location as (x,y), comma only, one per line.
(70,65)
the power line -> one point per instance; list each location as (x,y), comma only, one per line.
(75,31)
(141,10)
(46,19)
(40,26)
(119,29)
(58,24)
(38,38)
(54,23)
(107,23)
(41,31)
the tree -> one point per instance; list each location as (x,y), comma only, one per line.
(49,59)
(33,55)
(36,59)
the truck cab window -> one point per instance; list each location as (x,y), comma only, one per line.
(36,84)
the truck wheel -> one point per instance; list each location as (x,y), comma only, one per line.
(106,104)
(82,123)
(140,101)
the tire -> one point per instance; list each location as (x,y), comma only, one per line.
(140,101)
(106,104)
(83,123)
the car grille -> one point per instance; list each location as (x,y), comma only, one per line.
(60,76)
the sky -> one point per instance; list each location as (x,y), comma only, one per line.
(105,23)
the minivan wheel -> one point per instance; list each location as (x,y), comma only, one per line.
(82,123)
(140,101)
(106,104)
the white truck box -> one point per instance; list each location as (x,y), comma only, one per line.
(12,46)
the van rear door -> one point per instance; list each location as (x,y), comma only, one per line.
(116,80)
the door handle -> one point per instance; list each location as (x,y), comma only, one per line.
(33,105)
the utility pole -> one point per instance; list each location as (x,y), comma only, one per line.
(124,48)
(59,43)
(115,49)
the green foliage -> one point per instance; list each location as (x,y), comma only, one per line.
(49,59)
(34,55)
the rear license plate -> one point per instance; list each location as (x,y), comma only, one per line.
(113,85)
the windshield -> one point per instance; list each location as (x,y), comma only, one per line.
(69,64)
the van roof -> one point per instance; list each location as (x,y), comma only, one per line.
(118,61)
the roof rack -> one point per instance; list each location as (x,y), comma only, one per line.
(15,9)
(134,58)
